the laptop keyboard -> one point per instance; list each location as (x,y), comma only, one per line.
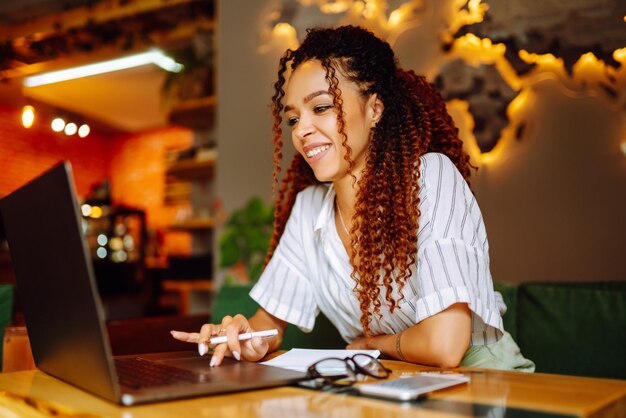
(140,373)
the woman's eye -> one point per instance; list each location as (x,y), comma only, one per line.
(321,108)
(292,121)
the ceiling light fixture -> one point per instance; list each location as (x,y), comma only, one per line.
(155,57)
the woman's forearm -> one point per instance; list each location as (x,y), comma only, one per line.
(440,340)
(263,320)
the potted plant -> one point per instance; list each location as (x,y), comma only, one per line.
(243,246)
(196,79)
(245,240)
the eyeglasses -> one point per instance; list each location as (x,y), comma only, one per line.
(339,372)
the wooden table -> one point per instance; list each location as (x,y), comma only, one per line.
(491,393)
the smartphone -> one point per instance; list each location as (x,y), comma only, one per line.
(410,388)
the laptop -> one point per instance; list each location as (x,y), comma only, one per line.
(65,318)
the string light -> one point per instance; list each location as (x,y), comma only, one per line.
(96,212)
(57,125)
(70,129)
(84,130)
(86,209)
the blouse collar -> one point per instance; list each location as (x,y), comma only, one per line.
(327,211)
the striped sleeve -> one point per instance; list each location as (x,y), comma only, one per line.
(284,290)
(453,261)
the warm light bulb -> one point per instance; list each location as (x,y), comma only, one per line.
(102,240)
(96,212)
(395,17)
(84,130)
(70,129)
(284,29)
(57,125)
(28,116)
(86,209)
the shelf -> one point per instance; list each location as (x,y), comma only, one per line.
(177,192)
(184,289)
(193,225)
(192,168)
(188,285)
(194,113)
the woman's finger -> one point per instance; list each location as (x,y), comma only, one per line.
(189,337)
(221,350)
(254,349)
(209,331)
(236,326)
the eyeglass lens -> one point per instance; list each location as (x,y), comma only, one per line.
(359,363)
(370,365)
(333,367)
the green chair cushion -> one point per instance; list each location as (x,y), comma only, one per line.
(574,328)
(509,294)
(234,299)
(6,311)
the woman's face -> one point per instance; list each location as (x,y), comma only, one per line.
(313,120)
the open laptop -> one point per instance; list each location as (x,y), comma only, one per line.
(65,318)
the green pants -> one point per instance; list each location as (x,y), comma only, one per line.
(504,355)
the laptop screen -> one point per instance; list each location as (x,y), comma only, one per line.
(55,282)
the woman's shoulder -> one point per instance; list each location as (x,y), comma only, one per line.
(435,160)
(436,167)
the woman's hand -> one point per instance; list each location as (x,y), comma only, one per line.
(251,350)
(360,343)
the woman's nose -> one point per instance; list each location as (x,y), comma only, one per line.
(304,128)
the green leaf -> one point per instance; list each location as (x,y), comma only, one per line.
(230,252)
(247,236)
(255,271)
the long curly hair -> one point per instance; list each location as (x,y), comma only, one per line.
(414,121)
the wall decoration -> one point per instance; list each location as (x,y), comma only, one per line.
(494,55)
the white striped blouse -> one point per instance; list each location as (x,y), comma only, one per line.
(310,269)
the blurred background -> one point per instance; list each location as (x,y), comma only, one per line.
(172,154)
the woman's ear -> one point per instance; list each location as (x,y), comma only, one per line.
(375,108)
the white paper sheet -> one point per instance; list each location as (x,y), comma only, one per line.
(300,359)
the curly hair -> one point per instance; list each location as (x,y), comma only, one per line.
(414,121)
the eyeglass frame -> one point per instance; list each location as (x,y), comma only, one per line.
(352,365)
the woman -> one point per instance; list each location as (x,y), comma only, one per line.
(375,224)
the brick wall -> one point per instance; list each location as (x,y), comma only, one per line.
(134,163)
(26,153)
(137,173)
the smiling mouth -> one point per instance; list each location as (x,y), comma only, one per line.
(313,152)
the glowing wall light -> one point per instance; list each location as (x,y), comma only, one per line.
(589,76)
(28,116)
